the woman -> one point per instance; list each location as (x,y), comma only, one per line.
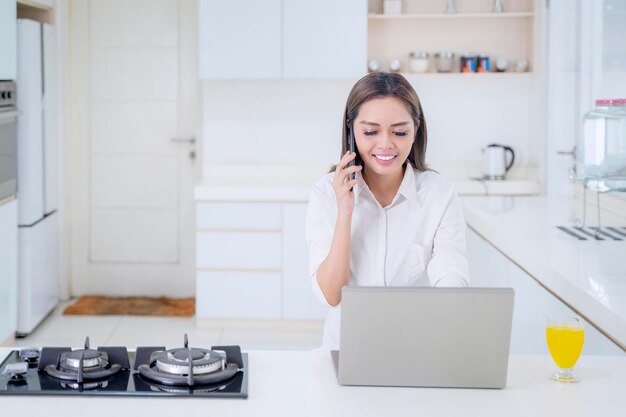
(397,223)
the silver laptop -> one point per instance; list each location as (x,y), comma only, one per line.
(424,337)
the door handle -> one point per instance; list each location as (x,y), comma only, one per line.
(190,140)
(572,152)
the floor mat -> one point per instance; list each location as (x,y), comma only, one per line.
(139,306)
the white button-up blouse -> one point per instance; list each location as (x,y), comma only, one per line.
(417,240)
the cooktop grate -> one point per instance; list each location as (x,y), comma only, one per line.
(608,233)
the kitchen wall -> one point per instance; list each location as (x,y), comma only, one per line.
(273,121)
(291,121)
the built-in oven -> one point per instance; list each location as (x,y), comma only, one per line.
(8,140)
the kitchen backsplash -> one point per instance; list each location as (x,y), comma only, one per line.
(300,121)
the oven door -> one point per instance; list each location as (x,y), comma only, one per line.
(8,153)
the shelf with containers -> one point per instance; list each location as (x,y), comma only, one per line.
(474,29)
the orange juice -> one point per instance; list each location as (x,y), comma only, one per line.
(565,344)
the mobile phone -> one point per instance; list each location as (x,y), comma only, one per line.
(351,148)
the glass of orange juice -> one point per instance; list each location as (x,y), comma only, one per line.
(565,337)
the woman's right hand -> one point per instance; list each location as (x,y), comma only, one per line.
(342,184)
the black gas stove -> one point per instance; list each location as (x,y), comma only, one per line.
(221,371)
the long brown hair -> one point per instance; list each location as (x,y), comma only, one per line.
(385,84)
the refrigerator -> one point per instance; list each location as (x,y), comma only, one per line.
(37,179)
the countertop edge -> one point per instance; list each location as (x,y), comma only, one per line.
(7,200)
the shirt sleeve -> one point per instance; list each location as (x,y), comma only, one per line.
(319,234)
(448,266)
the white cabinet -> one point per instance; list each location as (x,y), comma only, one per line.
(272,39)
(324,38)
(238,250)
(252,262)
(229,294)
(297,298)
(239,39)
(8,270)
(533,303)
(8,40)
(229,216)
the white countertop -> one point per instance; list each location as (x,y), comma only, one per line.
(589,276)
(292,183)
(291,383)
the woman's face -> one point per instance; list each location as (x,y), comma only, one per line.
(384,134)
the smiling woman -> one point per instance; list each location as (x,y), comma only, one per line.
(381,217)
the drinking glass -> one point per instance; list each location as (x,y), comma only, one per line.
(565,336)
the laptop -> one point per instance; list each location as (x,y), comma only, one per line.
(424,337)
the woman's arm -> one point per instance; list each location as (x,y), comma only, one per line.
(334,272)
(330,258)
(448,266)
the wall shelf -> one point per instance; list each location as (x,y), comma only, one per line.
(512,15)
(510,74)
(476,30)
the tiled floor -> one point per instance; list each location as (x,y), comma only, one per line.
(133,331)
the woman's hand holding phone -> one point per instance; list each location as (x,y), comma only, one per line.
(342,183)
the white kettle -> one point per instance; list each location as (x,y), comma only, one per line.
(496,164)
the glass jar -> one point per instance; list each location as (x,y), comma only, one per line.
(395,65)
(418,61)
(444,61)
(601,155)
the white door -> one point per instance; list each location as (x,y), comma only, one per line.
(134,89)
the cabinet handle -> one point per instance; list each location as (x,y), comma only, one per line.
(190,140)
(572,152)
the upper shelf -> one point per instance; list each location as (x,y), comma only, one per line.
(39,4)
(374,16)
(467,75)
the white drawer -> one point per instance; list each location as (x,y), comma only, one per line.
(238,295)
(241,216)
(238,250)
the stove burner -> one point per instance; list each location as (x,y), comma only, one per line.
(176,361)
(84,386)
(89,357)
(83,364)
(175,390)
(188,367)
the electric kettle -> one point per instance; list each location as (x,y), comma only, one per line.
(496,164)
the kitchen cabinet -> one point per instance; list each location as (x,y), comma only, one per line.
(257,217)
(229,294)
(281,39)
(533,303)
(238,250)
(8,40)
(239,39)
(252,262)
(8,269)
(297,298)
(324,38)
